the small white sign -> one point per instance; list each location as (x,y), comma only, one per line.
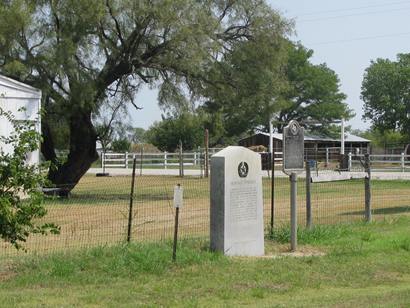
(178,196)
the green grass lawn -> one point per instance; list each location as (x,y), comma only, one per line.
(362,265)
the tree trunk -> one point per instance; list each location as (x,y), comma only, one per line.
(82,153)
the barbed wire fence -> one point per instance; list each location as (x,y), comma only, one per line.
(98,210)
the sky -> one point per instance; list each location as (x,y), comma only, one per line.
(346,35)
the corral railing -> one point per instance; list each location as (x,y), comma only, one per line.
(382,162)
(155,160)
(195,159)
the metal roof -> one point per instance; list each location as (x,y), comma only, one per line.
(348,137)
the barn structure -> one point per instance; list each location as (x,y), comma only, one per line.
(313,144)
(24,102)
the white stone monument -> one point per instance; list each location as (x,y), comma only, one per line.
(237,202)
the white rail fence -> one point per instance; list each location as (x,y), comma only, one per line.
(164,160)
(154,160)
(394,162)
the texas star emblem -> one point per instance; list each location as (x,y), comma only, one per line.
(243,169)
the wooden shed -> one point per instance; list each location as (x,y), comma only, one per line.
(312,143)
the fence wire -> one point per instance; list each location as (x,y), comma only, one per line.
(96,211)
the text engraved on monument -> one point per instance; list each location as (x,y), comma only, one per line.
(243,199)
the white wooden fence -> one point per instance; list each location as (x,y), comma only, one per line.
(154,160)
(394,162)
(164,160)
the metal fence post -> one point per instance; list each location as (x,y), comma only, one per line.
(367,187)
(131,201)
(350,161)
(126,160)
(165,159)
(308,197)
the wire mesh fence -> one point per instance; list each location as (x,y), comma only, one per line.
(97,210)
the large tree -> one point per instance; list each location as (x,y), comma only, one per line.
(79,52)
(312,95)
(268,79)
(386,94)
(253,78)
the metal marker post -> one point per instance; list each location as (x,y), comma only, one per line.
(308,197)
(131,201)
(178,197)
(293,162)
(174,249)
(293,212)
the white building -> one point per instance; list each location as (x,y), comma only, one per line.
(15,95)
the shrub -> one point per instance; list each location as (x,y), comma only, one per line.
(21,198)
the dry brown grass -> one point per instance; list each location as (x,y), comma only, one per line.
(97,211)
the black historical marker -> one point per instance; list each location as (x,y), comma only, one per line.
(293,148)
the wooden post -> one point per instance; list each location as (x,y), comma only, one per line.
(206,153)
(327,157)
(201,170)
(402,162)
(142,159)
(367,189)
(181,160)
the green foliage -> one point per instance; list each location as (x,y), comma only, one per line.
(120,145)
(269,78)
(167,134)
(386,95)
(312,93)
(21,198)
(382,139)
(247,81)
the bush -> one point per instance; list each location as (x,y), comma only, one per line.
(21,198)
(121,145)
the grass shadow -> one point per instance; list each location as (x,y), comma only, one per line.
(382,211)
